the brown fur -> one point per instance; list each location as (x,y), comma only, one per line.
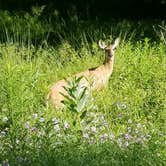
(97,78)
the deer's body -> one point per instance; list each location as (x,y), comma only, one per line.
(95,78)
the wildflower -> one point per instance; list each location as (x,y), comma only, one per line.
(91,141)
(27,125)
(158,154)
(148,136)
(6,129)
(33,129)
(41,120)
(2,133)
(126,144)
(19,159)
(95,107)
(83,123)
(35,115)
(119,142)
(139,125)
(104,136)
(59,135)
(143,137)
(120,115)
(56,127)
(139,140)
(92,114)
(5,163)
(55,121)
(102,117)
(85,135)
(121,105)
(112,136)
(5,119)
(41,133)
(129,121)
(105,123)
(93,130)
(102,127)
(66,125)
(127,136)
(17,141)
(136,131)
(129,129)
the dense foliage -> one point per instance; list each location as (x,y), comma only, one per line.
(124,124)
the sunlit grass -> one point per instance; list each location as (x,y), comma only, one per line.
(125,124)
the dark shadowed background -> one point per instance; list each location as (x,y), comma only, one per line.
(94,8)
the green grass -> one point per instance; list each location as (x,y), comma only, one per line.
(126,123)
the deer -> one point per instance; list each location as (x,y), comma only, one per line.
(99,76)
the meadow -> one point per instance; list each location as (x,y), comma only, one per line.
(123,124)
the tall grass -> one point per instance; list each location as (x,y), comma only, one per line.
(125,124)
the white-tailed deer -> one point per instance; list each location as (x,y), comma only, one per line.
(98,76)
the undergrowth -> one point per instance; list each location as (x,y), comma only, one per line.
(123,124)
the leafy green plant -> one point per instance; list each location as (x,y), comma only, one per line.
(79,98)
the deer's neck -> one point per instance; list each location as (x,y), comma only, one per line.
(108,65)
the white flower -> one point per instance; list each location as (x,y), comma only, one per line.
(17,141)
(129,129)
(119,142)
(121,105)
(5,119)
(93,129)
(95,107)
(2,134)
(66,125)
(27,125)
(85,135)
(56,127)
(126,144)
(139,125)
(83,123)
(112,136)
(35,115)
(55,121)
(129,121)
(102,117)
(41,120)
(136,131)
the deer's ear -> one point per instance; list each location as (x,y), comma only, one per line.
(101,44)
(116,43)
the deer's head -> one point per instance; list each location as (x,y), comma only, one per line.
(109,49)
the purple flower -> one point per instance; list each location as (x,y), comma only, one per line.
(127,136)
(104,136)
